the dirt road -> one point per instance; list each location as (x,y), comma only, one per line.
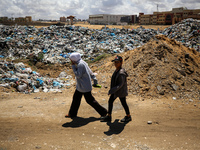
(36,121)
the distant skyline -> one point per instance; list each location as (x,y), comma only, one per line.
(54,9)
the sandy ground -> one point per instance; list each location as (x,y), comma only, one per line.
(86,25)
(161,27)
(36,121)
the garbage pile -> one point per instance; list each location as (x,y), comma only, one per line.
(161,68)
(187,32)
(55,43)
(16,75)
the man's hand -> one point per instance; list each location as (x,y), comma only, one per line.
(72,62)
(109,92)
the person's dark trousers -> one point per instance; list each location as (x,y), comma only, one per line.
(89,99)
(123,102)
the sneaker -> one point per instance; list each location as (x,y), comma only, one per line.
(106,118)
(126,119)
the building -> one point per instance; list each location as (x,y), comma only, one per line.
(164,18)
(3,18)
(145,19)
(130,19)
(106,19)
(71,18)
(28,19)
(134,19)
(22,19)
(169,17)
(63,19)
(154,18)
(184,13)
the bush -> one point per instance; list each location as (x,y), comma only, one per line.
(98,58)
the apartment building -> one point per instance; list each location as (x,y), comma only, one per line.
(169,17)
(145,19)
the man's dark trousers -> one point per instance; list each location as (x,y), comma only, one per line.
(89,99)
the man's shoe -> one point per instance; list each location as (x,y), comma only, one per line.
(126,119)
(68,116)
(106,118)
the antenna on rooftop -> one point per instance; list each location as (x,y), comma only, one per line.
(157,7)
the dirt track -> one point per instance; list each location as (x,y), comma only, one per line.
(37,121)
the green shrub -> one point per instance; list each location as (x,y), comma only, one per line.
(98,58)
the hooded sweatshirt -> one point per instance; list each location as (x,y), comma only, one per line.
(83,73)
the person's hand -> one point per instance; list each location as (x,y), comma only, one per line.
(72,62)
(109,92)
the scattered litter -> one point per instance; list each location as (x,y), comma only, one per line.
(26,81)
(186,32)
(149,122)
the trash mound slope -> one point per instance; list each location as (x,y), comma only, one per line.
(162,67)
(186,32)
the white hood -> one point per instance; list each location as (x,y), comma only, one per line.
(75,57)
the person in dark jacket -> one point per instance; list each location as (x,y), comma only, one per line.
(119,89)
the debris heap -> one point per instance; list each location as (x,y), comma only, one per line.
(186,32)
(162,67)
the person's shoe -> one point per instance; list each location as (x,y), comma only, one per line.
(126,119)
(106,118)
(102,117)
(68,116)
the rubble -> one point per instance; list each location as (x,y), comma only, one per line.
(161,68)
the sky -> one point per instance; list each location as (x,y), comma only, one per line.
(81,9)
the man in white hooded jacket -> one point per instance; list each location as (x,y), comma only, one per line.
(83,86)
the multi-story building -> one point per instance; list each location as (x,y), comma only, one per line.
(184,13)
(134,19)
(146,19)
(3,18)
(28,19)
(63,19)
(105,19)
(169,17)
(22,19)
(130,19)
(154,18)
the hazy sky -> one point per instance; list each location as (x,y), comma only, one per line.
(54,9)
